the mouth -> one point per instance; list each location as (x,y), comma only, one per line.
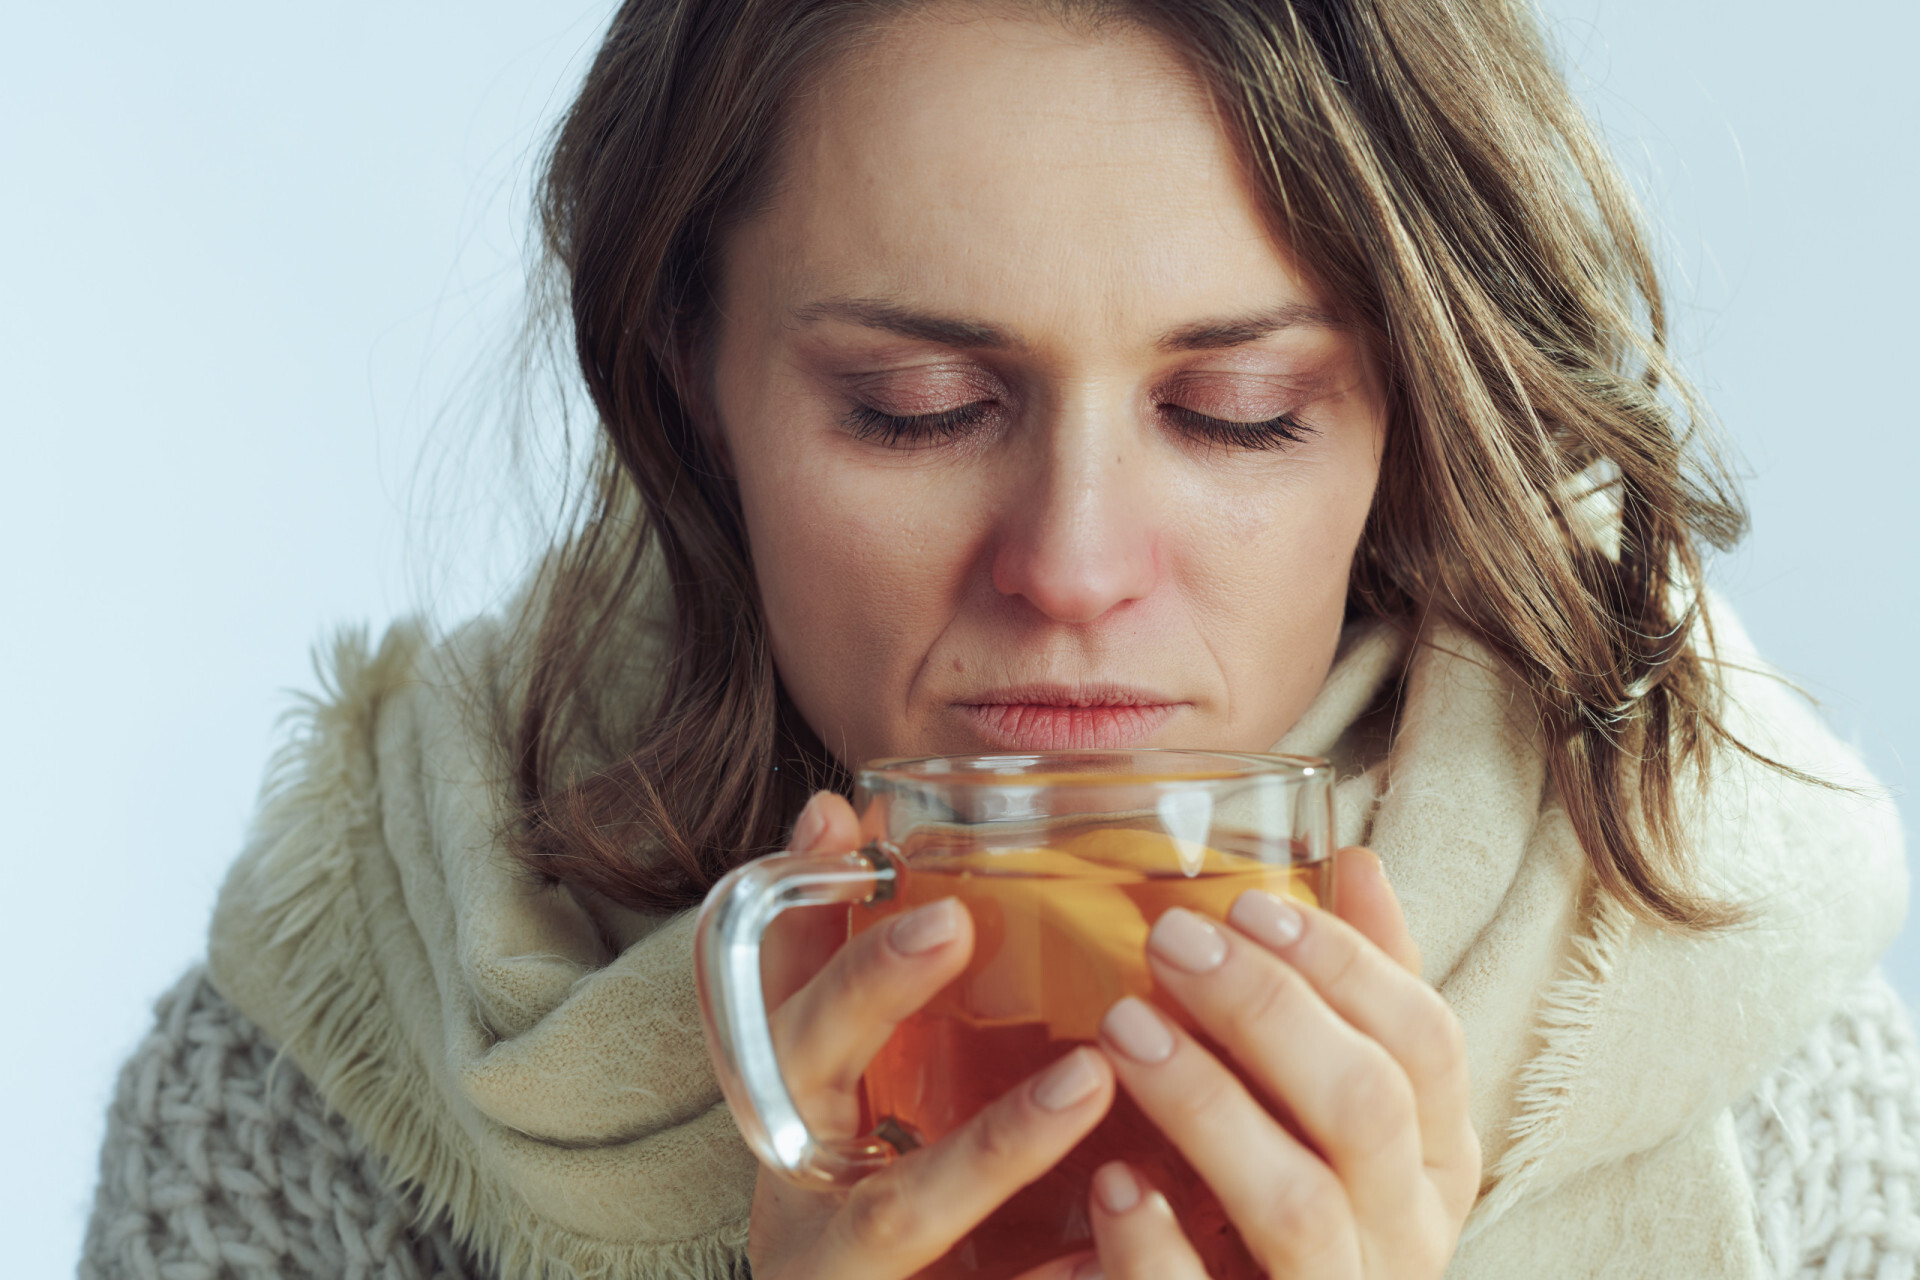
(1066,718)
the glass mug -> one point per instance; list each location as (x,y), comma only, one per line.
(1065,860)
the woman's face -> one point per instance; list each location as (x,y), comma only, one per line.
(1041,439)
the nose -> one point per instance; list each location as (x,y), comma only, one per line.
(1080,536)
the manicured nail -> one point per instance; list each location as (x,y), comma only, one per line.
(1089,1269)
(1185,941)
(1071,1080)
(808,826)
(924,928)
(1267,918)
(1137,1031)
(1118,1190)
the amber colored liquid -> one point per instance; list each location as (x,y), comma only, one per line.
(1060,934)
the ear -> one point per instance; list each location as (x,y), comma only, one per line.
(689,371)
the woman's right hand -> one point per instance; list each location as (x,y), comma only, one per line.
(900,1219)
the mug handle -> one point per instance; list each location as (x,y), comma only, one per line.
(733,1006)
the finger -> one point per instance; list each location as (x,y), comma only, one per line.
(826,825)
(902,1218)
(1135,1231)
(783,1212)
(1075,1266)
(1345,1092)
(1388,1006)
(831,1028)
(1367,902)
(1289,1207)
(798,943)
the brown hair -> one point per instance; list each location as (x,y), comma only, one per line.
(1422,158)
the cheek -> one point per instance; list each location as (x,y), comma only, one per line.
(1289,536)
(858,567)
(1270,572)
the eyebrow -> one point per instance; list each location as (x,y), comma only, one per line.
(925,326)
(951,331)
(1211,335)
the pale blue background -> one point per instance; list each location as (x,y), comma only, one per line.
(260,260)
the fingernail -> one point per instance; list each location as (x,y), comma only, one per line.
(924,928)
(808,826)
(1137,1031)
(1116,1187)
(1089,1269)
(1185,941)
(1267,918)
(1071,1080)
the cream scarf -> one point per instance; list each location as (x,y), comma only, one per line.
(529,1060)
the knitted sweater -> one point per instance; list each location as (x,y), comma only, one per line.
(221,1161)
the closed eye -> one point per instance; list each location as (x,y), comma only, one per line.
(917,430)
(1269,433)
(891,430)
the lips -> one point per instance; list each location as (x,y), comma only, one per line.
(1052,718)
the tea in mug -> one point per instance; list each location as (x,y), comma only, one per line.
(1060,934)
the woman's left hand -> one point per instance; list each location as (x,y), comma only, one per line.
(1353,1156)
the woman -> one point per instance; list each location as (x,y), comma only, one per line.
(1213,373)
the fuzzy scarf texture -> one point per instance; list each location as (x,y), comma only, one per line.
(529,1061)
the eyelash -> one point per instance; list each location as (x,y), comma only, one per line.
(868,423)
(1272,433)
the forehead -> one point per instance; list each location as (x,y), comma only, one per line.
(1007,165)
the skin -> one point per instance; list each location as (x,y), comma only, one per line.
(1072,204)
(1002,371)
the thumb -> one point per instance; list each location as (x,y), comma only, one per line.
(798,944)
(826,825)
